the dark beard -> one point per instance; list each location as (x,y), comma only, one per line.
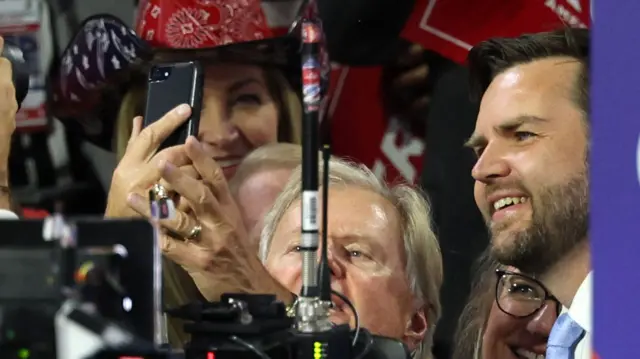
(559,224)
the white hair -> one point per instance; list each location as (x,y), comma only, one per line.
(422,251)
(268,157)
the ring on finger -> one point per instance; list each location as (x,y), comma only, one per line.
(159,192)
(195,233)
(162,206)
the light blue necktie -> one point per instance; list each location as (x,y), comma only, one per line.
(565,336)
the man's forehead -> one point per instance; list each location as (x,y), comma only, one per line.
(554,74)
(528,90)
(352,212)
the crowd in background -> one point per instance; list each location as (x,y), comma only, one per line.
(520,104)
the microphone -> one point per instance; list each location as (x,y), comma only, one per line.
(324,272)
(309,295)
(317,336)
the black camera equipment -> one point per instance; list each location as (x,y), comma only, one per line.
(70,289)
(20,70)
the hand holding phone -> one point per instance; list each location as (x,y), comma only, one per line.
(170,85)
(138,170)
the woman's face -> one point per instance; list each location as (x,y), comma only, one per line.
(238,114)
(508,337)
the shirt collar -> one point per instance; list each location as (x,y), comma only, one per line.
(581,306)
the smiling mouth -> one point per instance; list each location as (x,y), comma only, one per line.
(508,202)
(526,354)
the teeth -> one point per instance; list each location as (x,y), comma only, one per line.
(501,203)
(529,355)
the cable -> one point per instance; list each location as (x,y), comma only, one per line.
(367,347)
(324,272)
(249,346)
(355,314)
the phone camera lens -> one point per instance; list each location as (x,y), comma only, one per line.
(160,73)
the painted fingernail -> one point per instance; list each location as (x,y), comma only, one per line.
(183,109)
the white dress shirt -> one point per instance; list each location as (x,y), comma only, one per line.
(581,312)
(6,214)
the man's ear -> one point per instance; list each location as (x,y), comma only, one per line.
(416,329)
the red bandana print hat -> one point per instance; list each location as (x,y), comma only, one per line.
(105,55)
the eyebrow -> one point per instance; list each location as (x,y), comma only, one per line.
(345,237)
(477,140)
(242,83)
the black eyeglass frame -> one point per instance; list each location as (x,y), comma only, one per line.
(500,273)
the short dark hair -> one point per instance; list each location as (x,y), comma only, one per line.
(490,58)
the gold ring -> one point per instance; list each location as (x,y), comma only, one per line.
(159,192)
(195,232)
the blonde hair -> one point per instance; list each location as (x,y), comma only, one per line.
(179,288)
(422,251)
(267,157)
(474,316)
(286,99)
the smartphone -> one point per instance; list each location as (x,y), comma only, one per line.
(170,85)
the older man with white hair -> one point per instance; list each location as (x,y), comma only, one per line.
(383,253)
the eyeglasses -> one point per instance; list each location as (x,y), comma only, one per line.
(520,296)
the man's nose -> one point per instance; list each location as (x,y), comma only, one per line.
(490,165)
(336,267)
(542,322)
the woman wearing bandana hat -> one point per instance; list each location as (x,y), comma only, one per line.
(251,69)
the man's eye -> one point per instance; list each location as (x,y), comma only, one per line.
(356,253)
(523,135)
(293,249)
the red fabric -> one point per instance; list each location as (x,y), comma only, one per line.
(452,27)
(32,213)
(360,129)
(197,24)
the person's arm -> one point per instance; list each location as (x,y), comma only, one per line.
(6,203)
(5,193)
(8,109)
